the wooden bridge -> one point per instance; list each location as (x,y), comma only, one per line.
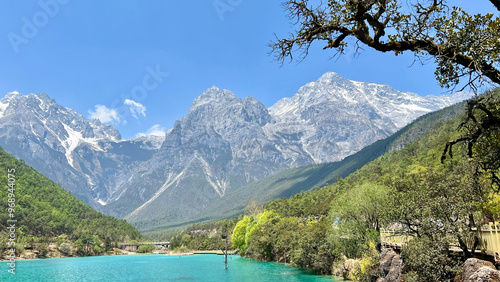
(132,247)
(489,235)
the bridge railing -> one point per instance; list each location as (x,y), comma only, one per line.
(489,234)
(396,237)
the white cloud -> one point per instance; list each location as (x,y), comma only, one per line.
(104,114)
(155,130)
(135,108)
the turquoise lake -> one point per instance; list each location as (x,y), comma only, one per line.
(154,268)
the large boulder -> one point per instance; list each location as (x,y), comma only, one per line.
(484,274)
(345,268)
(391,266)
(476,270)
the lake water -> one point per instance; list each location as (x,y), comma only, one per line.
(154,268)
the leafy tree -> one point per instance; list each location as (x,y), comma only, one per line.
(481,134)
(66,248)
(285,236)
(441,206)
(363,204)
(368,269)
(428,260)
(311,249)
(261,234)
(357,215)
(239,232)
(146,248)
(461,44)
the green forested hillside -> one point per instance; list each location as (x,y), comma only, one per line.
(293,181)
(438,204)
(46,212)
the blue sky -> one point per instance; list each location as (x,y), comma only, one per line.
(141,63)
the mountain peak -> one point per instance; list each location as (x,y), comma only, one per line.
(330,77)
(330,74)
(9,96)
(214,95)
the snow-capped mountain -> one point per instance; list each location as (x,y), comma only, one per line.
(78,154)
(223,143)
(334,117)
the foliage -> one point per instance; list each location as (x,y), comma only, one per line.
(481,134)
(311,248)
(462,45)
(361,204)
(367,270)
(357,214)
(205,236)
(428,260)
(66,248)
(146,248)
(88,245)
(180,249)
(239,232)
(271,237)
(41,249)
(438,205)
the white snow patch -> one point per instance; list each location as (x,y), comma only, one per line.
(414,107)
(3,107)
(73,140)
(219,186)
(101,202)
(170,181)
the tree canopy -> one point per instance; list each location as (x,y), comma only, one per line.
(462,45)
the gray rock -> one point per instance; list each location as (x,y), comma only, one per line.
(391,266)
(485,274)
(478,270)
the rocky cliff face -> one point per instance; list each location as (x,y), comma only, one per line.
(223,143)
(85,157)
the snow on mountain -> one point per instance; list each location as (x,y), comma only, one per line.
(334,117)
(62,144)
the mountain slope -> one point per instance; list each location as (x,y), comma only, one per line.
(293,181)
(88,158)
(44,209)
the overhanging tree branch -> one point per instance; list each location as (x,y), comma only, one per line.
(434,30)
(496,3)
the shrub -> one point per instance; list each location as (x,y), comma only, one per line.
(367,270)
(428,260)
(146,248)
(66,248)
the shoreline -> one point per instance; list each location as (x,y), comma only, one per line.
(172,254)
(124,253)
